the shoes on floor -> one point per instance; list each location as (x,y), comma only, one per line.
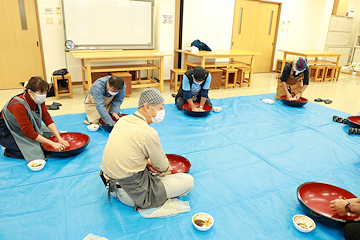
(340,120)
(354,131)
(326,101)
(52,107)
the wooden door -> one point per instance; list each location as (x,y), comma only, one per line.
(254,29)
(20,52)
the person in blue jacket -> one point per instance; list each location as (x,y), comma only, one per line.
(194,88)
(104,100)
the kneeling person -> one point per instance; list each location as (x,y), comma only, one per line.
(133,144)
(194,88)
(293,74)
(104,99)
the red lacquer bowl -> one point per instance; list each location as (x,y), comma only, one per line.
(187,110)
(315,197)
(77,141)
(107,127)
(178,163)
(294,103)
(354,121)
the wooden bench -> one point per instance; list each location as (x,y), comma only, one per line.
(242,79)
(317,72)
(329,73)
(230,77)
(126,77)
(279,64)
(216,77)
(174,74)
(65,92)
(218,64)
(138,83)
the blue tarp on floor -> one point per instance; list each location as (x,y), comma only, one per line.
(247,162)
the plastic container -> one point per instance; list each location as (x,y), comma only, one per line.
(202,221)
(36,165)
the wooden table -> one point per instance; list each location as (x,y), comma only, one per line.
(313,54)
(89,57)
(231,54)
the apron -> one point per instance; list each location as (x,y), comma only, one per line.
(92,113)
(293,82)
(29,148)
(146,190)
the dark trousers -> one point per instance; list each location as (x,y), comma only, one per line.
(180,101)
(8,141)
(352,231)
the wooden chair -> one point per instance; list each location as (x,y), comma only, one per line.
(329,73)
(317,72)
(174,74)
(216,77)
(126,77)
(230,77)
(242,79)
(62,92)
(336,73)
(280,62)
(136,75)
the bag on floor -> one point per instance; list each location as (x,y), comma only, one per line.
(61,72)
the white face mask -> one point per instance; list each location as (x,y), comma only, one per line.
(112,93)
(159,116)
(39,98)
(297,71)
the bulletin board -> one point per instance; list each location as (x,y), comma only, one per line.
(109,24)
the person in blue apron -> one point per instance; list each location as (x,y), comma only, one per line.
(194,88)
(21,131)
(131,146)
(104,100)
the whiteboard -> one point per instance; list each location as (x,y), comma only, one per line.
(109,23)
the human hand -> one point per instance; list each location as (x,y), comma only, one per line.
(201,110)
(115,116)
(149,162)
(297,96)
(64,142)
(57,146)
(288,96)
(338,206)
(195,109)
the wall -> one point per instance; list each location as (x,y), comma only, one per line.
(164,33)
(53,39)
(354,5)
(52,36)
(309,22)
(308,26)
(212,24)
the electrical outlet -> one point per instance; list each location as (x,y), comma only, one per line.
(49,20)
(48,10)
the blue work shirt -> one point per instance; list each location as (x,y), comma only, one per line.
(99,90)
(195,89)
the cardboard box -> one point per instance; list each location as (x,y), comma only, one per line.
(357,73)
(347,71)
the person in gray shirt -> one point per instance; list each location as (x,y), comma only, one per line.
(104,100)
